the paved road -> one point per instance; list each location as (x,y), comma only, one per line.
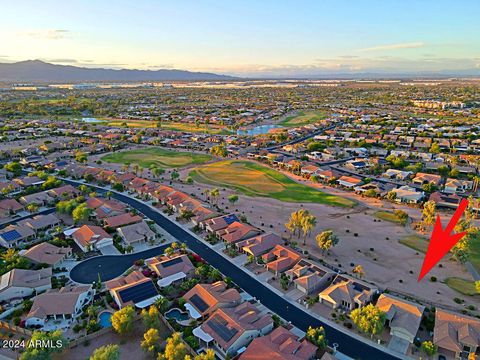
(110,266)
(348,345)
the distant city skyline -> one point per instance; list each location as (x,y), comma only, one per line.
(247,38)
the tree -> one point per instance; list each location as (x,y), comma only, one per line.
(174,175)
(151,341)
(428,213)
(175,348)
(308,222)
(317,337)
(44,352)
(429,348)
(284,281)
(435,148)
(80,156)
(106,352)
(391,195)
(326,240)
(33,207)
(162,304)
(81,213)
(219,150)
(477,286)
(14,167)
(368,319)
(233,199)
(122,320)
(215,194)
(207,355)
(157,172)
(151,317)
(359,271)
(296,221)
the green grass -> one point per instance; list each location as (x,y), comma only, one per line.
(415,242)
(388,216)
(257,180)
(304,118)
(157,157)
(465,287)
(475,252)
(174,126)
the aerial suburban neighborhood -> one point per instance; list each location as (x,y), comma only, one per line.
(279,212)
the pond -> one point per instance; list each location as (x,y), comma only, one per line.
(91,120)
(105,319)
(257,130)
(177,314)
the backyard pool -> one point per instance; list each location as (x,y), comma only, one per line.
(104,319)
(177,314)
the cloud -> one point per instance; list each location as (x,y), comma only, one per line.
(64,61)
(410,45)
(49,34)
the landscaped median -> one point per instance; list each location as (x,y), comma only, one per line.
(254,179)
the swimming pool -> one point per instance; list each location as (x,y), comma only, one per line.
(104,319)
(177,314)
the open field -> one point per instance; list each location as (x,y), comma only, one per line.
(256,180)
(304,118)
(174,126)
(463,286)
(158,157)
(415,242)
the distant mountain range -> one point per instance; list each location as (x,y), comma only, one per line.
(36,71)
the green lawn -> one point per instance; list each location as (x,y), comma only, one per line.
(463,286)
(415,242)
(158,157)
(304,118)
(174,126)
(257,180)
(388,216)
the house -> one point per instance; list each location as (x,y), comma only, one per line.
(133,289)
(59,305)
(310,278)
(456,335)
(402,317)
(454,186)
(445,200)
(259,245)
(121,220)
(29,181)
(218,223)
(40,199)
(9,207)
(228,330)
(408,195)
(346,293)
(16,235)
(46,253)
(41,222)
(203,299)
(349,181)
(90,237)
(103,208)
(280,259)
(395,174)
(237,231)
(356,164)
(171,270)
(424,178)
(64,192)
(280,344)
(20,283)
(135,233)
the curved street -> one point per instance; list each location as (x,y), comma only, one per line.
(108,267)
(348,344)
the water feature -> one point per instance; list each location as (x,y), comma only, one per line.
(105,319)
(177,314)
(257,130)
(91,120)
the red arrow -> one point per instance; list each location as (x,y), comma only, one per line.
(442,240)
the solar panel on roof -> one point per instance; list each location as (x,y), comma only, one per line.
(11,235)
(106,209)
(138,292)
(229,219)
(198,302)
(220,327)
(171,262)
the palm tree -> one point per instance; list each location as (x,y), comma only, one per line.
(129,248)
(162,304)
(174,246)
(183,247)
(169,251)
(126,167)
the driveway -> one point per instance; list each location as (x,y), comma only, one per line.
(112,266)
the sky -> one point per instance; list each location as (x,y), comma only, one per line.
(246,37)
